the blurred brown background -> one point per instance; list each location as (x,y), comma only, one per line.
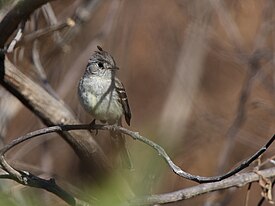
(189,71)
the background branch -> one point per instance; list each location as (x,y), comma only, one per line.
(20,12)
(235,181)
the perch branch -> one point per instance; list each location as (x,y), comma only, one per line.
(137,136)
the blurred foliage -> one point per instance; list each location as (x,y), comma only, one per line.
(7,199)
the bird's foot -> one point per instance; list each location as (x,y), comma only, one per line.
(92,125)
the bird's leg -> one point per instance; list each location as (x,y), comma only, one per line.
(92,125)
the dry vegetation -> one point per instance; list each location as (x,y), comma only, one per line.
(200,81)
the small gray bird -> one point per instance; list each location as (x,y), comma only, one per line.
(104,97)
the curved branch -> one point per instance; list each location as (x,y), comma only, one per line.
(173,166)
(137,136)
(235,181)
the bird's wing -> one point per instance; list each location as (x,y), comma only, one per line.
(123,100)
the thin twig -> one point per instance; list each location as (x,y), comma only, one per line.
(248,194)
(239,120)
(137,136)
(48,30)
(51,19)
(233,33)
(263,198)
(176,169)
(235,181)
(40,69)
(17,37)
(81,16)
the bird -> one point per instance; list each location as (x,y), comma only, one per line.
(104,96)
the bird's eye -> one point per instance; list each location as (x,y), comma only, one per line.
(100,64)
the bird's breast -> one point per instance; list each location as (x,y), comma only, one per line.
(99,97)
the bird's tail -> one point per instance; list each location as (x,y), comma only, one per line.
(123,151)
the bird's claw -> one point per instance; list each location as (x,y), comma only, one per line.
(92,125)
